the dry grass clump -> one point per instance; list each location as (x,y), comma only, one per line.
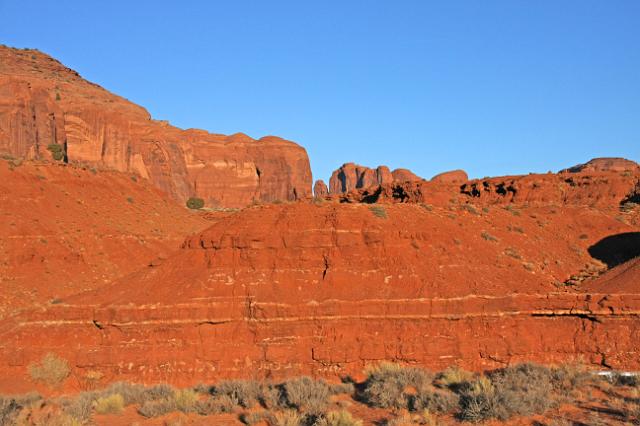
(524,389)
(307,395)
(112,404)
(52,370)
(245,392)
(162,402)
(11,406)
(337,418)
(394,386)
(287,418)
(453,377)
(425,418)
(379,211)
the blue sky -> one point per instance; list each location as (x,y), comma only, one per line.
(493,87)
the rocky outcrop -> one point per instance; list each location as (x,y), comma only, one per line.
(405,175)
(281,290)
(351,176)
(613,164)
(320,189)
(42,103)
(605,189)
(453,176)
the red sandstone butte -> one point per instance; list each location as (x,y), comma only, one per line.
(42,102)
(320,189)
(351,176)
(453,176)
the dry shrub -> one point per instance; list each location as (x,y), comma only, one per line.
(524,389)
(9,410)
(307,395)
(379,211)
(287,418)
(131,393)
(155,408)
(216,405)
(272,396)
(338,418)
(568,378)
(391,385)
(186,400)
(432,400)
(341,388)
(246,392)
(453,377)
(112,404)
(11,406)
(52,370)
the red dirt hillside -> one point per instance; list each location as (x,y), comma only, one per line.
(43,103)
(481,278)
(66,229)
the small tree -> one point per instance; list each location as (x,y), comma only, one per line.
(195,203)
(57,151)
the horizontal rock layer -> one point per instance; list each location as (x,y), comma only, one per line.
(327,288)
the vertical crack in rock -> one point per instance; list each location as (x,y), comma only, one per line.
(325,259)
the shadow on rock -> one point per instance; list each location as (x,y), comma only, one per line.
(616,249)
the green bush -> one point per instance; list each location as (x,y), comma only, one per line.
(378,211)
(195,203)
(57,151)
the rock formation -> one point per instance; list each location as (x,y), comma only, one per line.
(453,176)
(614,164)
(320,189)
(351,176)
(303,288)
(43,103)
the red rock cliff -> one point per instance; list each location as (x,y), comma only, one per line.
(352,176)
(42,102)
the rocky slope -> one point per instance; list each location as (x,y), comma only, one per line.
(42,103)
(328,287)
(66,229)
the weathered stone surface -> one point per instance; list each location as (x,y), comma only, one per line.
(320,189)
(42,102)
(453,176)
(612,164)
(351,176)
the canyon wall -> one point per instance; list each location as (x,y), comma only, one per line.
(43,103)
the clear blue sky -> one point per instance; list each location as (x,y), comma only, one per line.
(494,87)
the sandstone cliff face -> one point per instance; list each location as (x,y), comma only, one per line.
(351,176)
(42,103)
(325,289)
